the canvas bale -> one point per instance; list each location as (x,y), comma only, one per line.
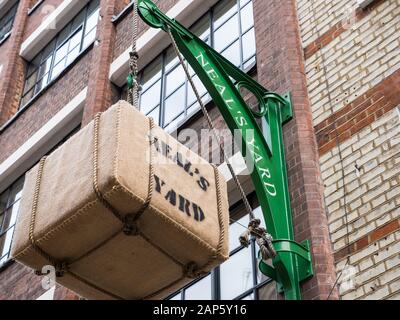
(89,210)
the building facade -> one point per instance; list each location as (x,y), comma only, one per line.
(62,61)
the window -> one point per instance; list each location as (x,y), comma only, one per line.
(7,21)
(236,279)
(9,204)
(61,51)
(167,96)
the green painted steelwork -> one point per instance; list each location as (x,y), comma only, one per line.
(262,148)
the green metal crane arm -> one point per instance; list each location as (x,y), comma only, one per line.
(263,149)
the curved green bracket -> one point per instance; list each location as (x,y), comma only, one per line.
(262,147)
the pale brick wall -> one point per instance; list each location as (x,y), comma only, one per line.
(373,199)
(318,16)
(355,62)
(377,270)
(342,65)
(373,192)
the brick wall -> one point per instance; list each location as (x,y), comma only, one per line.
(45,107)
(352,66)
(11,77)
(123,38)
(355,62)
(281,68)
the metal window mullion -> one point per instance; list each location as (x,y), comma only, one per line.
(9,206)
(240,34)
(211,19)
(2,233)
(53,57)
(216,284)
(186,95)
(84,27)
(230,17)
(174,91)
(141,76)
(162,86)
(231,44)
(255,269)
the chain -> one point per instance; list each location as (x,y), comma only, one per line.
(133,84)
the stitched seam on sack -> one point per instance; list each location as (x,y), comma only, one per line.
(115,188)
(47,234)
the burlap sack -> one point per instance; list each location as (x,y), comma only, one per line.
(75,203)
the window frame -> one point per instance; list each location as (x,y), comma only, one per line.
(4,21)
(9,206)
(191,108)
(4,258)
(33,89)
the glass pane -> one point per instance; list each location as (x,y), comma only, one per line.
(6,28)
(63,35)
(5,258)
(224,10)
(27,97)
(259,215)
(151,74)
(249,45)
(48,50)
(3,201)
(58,68)
(244,2)
(45,67)
(150,98)
(226,34)
(89,38)
(171,127)
(73,54)
(236,274)
(13,214)
(233,53)
(202,28)
(16,191)
(260,276)
(235,230)
(200,88)
(247,17)
(174,105)
(196,107)
(174,79)
(94,4)
(75,39)
(78,20)
(42,83)
(249,63)
(200,290)
(155,114)
(34,64)
(61,53)
(5,242)
(91,22)
(172,60)
(30,82)
(176,297)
